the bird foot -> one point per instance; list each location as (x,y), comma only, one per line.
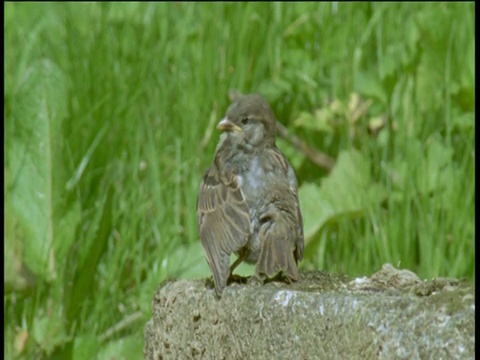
(255,280)
(277,278)
(233,278)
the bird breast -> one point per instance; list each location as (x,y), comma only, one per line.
(254,182)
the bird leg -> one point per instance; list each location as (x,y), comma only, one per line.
(242,255)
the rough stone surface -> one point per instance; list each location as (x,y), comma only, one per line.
(391,315)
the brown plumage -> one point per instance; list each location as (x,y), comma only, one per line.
(248,201)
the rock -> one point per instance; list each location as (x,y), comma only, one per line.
(391,315)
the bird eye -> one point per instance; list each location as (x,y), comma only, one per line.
(245,120)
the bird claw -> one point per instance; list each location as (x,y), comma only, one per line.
(256,280)
(233,278)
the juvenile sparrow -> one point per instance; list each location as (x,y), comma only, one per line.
(248,200)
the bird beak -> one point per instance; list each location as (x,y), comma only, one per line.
(227,125)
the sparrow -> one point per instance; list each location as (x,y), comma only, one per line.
(248,199)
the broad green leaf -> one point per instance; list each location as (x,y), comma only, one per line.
(36,159)
(320,120)
(85,347)
(432,174)
(128,347)
(188,262)
(368,85)
(49,331)
(16,276)
(316,209)
(392,60)
(347,191)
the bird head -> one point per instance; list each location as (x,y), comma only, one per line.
(250,120)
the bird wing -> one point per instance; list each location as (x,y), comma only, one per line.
(223,222)
(300,239)
(293,186)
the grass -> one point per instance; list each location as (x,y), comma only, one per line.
(109,111)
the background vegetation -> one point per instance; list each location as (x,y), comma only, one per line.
(109,124)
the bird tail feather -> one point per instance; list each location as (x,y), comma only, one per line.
(276,256)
